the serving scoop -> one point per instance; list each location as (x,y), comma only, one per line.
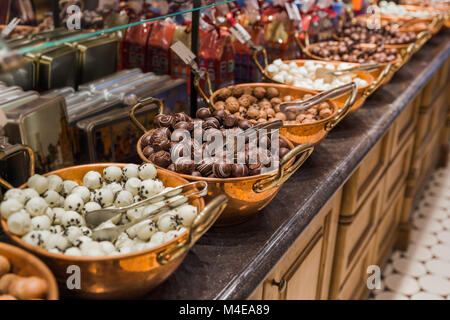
(329,76)
(97,217)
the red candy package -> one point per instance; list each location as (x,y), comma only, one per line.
(158,48)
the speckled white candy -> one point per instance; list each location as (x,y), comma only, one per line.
(30,193)
(74,203)
(86,231)
(41,223)
(115,187)
(72,218)
(107,247)
(52,198)
(55,183)
(58,214)
(36,206)
(132,186)
(112,174)
(104,197)
(186,214)
(58,241)
(147,171)
(72,233)
(56,229)
(91,206)
(147,230)
(73,251)
(92,180)
(124,198)
(150,188)
(158,238)
(130,171)
(16,194)
(38,183)
(135,213)
(37,238)
(9,207)
(83,192)
(19,223)
(81,241)
(68,186)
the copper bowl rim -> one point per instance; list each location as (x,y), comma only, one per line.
(61,256)
(297,61)
(279,85)
(382,64)
(215,180)
(53,291)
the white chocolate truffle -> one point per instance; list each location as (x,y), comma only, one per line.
(16,194)
(72,233)
(92,249)
(107,247)
(147,230)
(126,250)
(36,206)
(123,240)
(112,174)
(86,231)
(135,213)
(41,223)
(124,198)
(52,198)
(55,183)
(68,186)
(93,180)
(147,171)
(115,187)
(130,171)
(74,203)
(132,231)
(172,234)
(72,218)
(38,183)
(30,193)
(104,197)
(9,207)
(150,188)
(56,229)
(91,206)
(57,241)
(186,214)
(158,238)
(81,241)
(167,222)
(58,214)
(19,223)
(54,250)
(73,251)
(132,186)
(83,192)
(37,238)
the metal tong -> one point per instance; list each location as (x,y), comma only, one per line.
(10,27)
(329,75)
(318,98)
(170,199)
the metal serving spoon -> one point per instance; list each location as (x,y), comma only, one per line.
(318,98)
(329,76)
(96,217)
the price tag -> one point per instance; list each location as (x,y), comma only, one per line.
(240,33)
(292,11)
(3,119)
(185,54)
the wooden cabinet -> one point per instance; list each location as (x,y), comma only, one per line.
(305,270)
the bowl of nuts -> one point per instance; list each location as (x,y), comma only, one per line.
(216,147)
(260,103)
(48,217)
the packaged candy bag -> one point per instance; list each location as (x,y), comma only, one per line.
(158,48)
(134,47)
(178,69)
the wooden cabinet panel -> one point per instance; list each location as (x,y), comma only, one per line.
(362,181)
(305,270)
(257,294)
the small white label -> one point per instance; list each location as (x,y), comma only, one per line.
(240,33)
(183,52)
(292,11)
(3,119)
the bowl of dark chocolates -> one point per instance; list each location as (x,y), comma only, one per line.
(250,173)
(259,103)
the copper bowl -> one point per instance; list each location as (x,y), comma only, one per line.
(129,275)
(25,264)
(246,195)
(363,92)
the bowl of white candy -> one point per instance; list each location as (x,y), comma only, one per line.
(47,217)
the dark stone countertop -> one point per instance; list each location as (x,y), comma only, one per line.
(229,263)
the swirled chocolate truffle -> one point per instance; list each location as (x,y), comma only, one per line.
(146,138)
(160,142)
(163,120)
(185,125)
(211,123)
(254,169)
(182,116)
(222,170)
(205,167)
(239,170)
(203,113)
(148,151)
(161,158)
(184,165)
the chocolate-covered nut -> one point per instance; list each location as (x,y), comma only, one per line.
(224,93)
(184,165)
(254,169)
(280,116)
(324,113)
(219,105)
(237,91)
(230,121)
(265,104)
(244,101)
(148,151)
(248,90)
(239,170)
(184,125)
(162,158)
(272,93)
(288,98)
(222,170)
(220,115)
(211,123)
(282,152)
(163,120)
(244,124)
(203,113)
(259,92)
(232,104)
(275,101)
(253,113)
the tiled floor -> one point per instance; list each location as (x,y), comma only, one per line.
(423,271)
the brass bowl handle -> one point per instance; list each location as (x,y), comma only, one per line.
(303,151)
(201,224)
(422,38)
(344,110)
(405,55)
(10,150)
(377,83)
(197,77)
(140,104)
(265,60)
(305,47)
